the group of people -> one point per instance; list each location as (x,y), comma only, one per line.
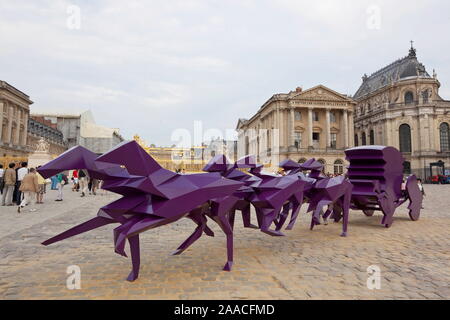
(20,185)
(82,181)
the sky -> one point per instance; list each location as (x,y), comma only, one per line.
(157,67)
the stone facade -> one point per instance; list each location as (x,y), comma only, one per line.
(400,106)
(314,123)
(14,114)
(81,129)
(39,128)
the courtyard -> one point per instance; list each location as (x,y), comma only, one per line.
(413,257)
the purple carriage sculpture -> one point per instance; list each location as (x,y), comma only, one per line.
(151,197)
(376,173)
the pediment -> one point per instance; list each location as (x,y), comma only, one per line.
(320,93)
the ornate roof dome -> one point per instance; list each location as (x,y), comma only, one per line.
(401,69)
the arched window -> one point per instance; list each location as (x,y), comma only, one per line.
(409,97)
(356,140)
(363,138)
(405,138)
(372,137)
(445,135)
(338,167)
(302,160)
(406,167)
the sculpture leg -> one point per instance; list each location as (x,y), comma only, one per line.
(201,222)
(295,211)
(135,257)
(315,219)
(267,219)
(246,218)
(81,228)
(232,216)
(283,216)
(346,211)
(224,224)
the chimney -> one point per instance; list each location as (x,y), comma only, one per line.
(298,89)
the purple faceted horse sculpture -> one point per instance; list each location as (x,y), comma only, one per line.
(376,173)
(271,194)
(321,191)
(221,164)
(152,197)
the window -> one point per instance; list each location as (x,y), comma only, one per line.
(409,97)
(302,160)
(298,116)
(406,167)
(372,137)
(333,142)
(338,167)
(332,117)
(405,138)
(298,139)
(315,116)
(356,140)
(316,136)
(425,96)
(445,136)
(363,139)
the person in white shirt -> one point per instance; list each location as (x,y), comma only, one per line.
(2,171)
(21,173)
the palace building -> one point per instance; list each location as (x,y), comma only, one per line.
(302,124)
(399,105)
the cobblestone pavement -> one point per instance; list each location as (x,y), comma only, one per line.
(414,257)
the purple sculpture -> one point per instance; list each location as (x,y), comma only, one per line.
(152,197)
(376,173)
(321,191)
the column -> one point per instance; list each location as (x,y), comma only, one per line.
(351,130)
(346,129)
(25,130)
(9,131)
(1,120)
(292,128)
(327,128)
(310,127)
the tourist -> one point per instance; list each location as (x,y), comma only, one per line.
(94,186)
(29,187)
(21,173)
(76,185)
(41,189)
(183,171)
(62,180)
(82,180)
(1,178)
(54,184)
(9,180)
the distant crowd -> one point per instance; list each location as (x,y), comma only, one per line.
(23,186)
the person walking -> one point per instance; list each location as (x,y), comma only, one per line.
(2,171)
(94,186)
(21,173)
(41,188)
(29,187)
(62,180)
(82,179)
(9,179)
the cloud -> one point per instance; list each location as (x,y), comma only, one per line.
(151,67)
